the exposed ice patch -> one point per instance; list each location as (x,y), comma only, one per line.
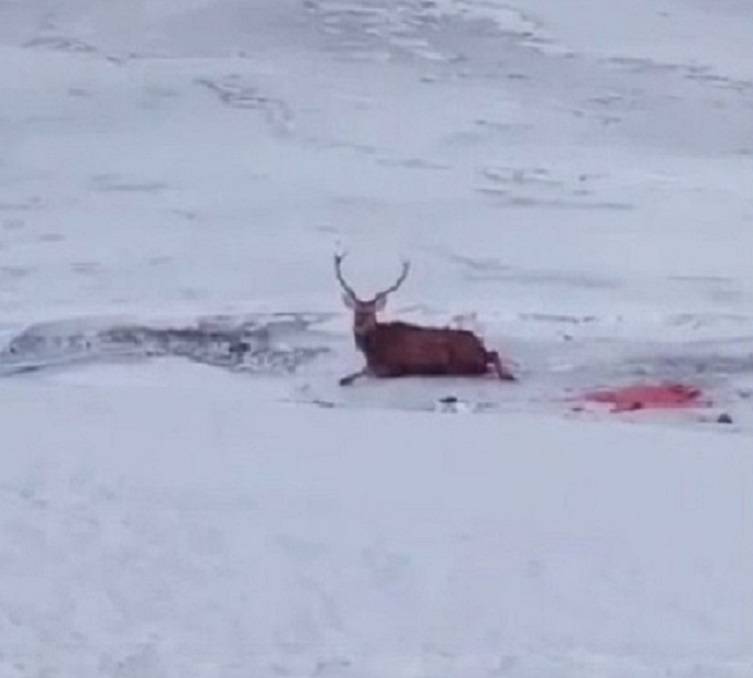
(261,344)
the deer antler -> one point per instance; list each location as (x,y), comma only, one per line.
(338,273)
(398,282)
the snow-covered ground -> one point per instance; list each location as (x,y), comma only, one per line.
(185,490)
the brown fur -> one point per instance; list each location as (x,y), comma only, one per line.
(399,349)
(394,349)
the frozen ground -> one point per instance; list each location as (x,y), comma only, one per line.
(151,531)
(186,491)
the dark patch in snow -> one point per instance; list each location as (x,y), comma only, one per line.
(51,237)
(22,206)
(235,93)
(486,268)
(520,201)
(269,344)
(544,188)
(86,267)
(113,182)
(558,318)
(15,271)
(412,163)
(693,362)
(60,43)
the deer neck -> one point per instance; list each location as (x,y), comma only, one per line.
(363,333)
(361,336)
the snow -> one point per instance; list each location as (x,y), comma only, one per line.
(185,488)
(171,532)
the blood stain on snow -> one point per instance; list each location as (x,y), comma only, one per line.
(641,397)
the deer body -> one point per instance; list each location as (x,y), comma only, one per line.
(398,349)
(395,349)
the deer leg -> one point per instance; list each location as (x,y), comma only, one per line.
(502,372)
(350,378)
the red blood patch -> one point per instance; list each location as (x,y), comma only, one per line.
(664,396)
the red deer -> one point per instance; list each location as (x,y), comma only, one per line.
(397,349)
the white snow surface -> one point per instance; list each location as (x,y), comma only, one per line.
(185,490)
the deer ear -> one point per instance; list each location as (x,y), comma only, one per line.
(380,302)
(348,300)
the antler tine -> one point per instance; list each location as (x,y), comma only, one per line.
(338,273)
(398,282)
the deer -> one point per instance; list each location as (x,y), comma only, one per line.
(397,349)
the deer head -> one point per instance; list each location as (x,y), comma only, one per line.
(364,311)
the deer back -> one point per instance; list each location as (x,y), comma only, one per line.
(401,348)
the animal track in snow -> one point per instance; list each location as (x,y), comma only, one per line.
(235,93)
(541,187)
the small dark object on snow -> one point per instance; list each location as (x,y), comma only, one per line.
(724,418)
(238,348)
(326,404)
(448,400)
